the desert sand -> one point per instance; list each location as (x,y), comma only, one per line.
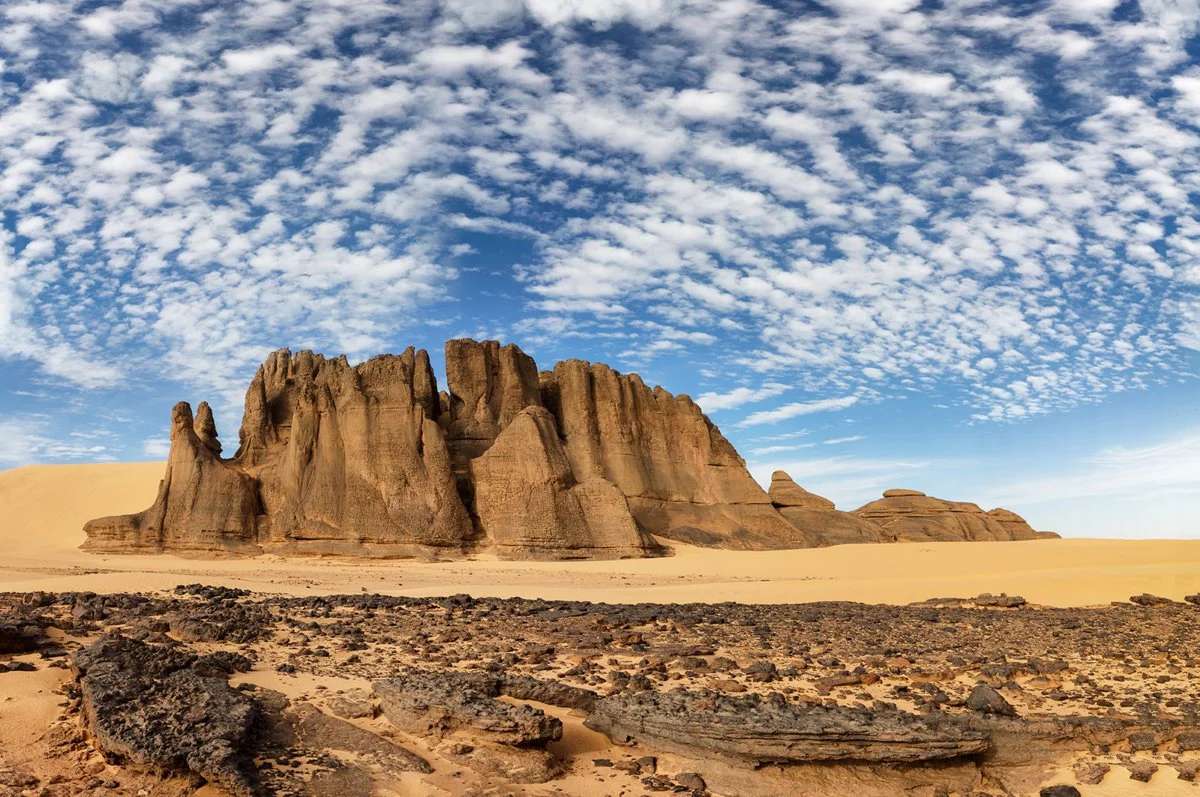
(1057,666)
(44,508)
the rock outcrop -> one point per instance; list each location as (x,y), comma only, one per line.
(761,731)
(203,503)
(351,459)
(162,709)
(682,478)
(913,516)
(530,505)
(817,518)
(577,462)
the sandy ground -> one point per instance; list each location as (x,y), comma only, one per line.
(42,510)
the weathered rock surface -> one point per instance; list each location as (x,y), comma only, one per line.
(488,385)
(816,516)
(912,516)
(682,478)
(439,703)
(203,503)
(577,462)
(531,506)
(150,706)
(765,731)
(350,459)
(492,737)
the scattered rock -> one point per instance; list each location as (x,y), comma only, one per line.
(1059,791)
(987,700)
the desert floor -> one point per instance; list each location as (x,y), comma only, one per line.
(42,510)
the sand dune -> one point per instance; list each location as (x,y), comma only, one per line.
(43,508)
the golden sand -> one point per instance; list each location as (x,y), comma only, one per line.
(43,508)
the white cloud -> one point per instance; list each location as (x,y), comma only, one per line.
(715,402)
(931,84)
(258,59)
(797,409)
(705,104)
(1163,471)
(156,447)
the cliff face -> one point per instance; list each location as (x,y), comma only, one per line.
(371,460)
(682,478)
(912,516)
(350,459)
(580,461)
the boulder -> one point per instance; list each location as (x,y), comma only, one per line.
(987,700)
(530,505)
(442,703)
(817,518)
(912,516)
(154,707)
(203,503)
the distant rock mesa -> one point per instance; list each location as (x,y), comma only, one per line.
(912,516)
(577,462)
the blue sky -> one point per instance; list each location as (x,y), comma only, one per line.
(953,246)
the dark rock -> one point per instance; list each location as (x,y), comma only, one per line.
(1002,601)
(755,730)
(438,703)
(1142,771)
(1146,599)
(554,693)
(144,704)
(1059,791)
(987,700)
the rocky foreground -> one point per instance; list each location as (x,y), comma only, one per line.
(247,694)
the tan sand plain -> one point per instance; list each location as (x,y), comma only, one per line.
(43,508)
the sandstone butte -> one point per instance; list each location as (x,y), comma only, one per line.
(577,462)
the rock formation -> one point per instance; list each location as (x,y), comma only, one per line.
(682,478)
(817,517)
(773,731)
(580,461)
(531,506)
(912,516)
(372,460)
(203,504)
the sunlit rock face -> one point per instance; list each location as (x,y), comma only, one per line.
(912,516)
(372,460)
(577,462)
